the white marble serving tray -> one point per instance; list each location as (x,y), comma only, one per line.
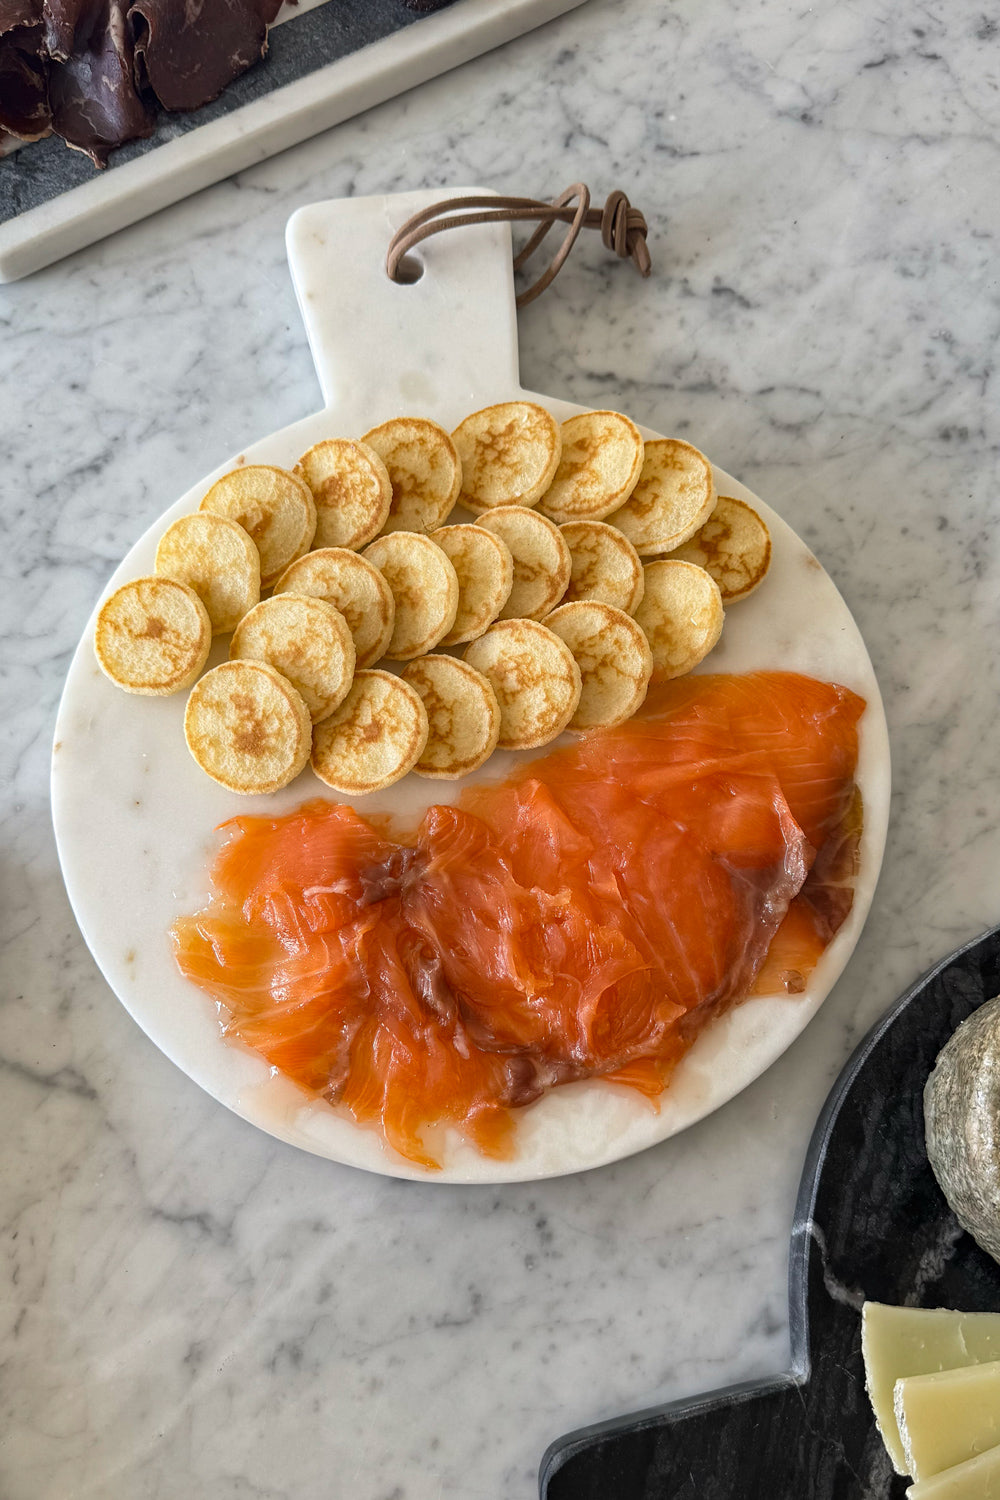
(134,816)
(130,191)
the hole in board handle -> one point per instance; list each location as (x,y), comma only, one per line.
(409,270)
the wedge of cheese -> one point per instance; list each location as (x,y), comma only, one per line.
(976,1479)
(948,1417)
(901,1341)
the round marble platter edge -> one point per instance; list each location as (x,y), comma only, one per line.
(135,819)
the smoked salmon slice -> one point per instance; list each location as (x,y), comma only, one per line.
(584,918)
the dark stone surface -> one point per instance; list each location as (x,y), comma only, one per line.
(870,1223)
(45,169)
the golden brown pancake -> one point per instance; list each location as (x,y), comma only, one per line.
(153,636)
(535,678)
(463,716)
(599,468)
(274,507)
(614,658)
(354,587)
(424,589)
(374,738)
(542,562)
(424,470)
(675,495)
(734,546)
(218,559)
(307,641)
(485,571)
(605,565)
(509,455)
(682,615)
(247,727)
(352,491)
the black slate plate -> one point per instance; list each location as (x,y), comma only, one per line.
(870,1223)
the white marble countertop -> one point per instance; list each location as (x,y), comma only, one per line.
(193,1311)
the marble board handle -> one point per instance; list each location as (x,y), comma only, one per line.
(447,341)
(870,1223)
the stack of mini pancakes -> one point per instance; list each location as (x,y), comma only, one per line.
(587,565)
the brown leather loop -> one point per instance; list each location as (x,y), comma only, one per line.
(623,229)
(578,190)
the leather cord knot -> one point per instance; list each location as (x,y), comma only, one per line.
(623,229)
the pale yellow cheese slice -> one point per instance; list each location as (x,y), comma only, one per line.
(947,1417)
(977,1479)
(901,1341)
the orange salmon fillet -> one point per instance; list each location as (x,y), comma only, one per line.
(585,918)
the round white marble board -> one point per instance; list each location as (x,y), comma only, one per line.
(135,819)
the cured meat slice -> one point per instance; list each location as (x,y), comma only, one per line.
(24,107)
(586,918)
(68,24)
(15,13)
(94,69)
(95,105)
(188,53)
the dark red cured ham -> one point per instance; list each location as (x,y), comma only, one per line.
(96,71)
(19,13)
(24,103)
(188,54)
(64,19)
(585,918)
(95,103)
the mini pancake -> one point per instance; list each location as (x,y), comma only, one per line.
(424,590)
(247,727)
(734,546)
(216,558)
(605,565)
(376,735)
(276,509)
(682,615)
(599,468)
(542,562)
(535,678)
(485,572)
(614,658)
(424,470)
(153,636)
(353,586)
(307,641)
(509,455)
(352,491)
(674,497)
(462,712)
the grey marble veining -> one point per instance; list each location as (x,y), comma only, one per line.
(192,1310)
